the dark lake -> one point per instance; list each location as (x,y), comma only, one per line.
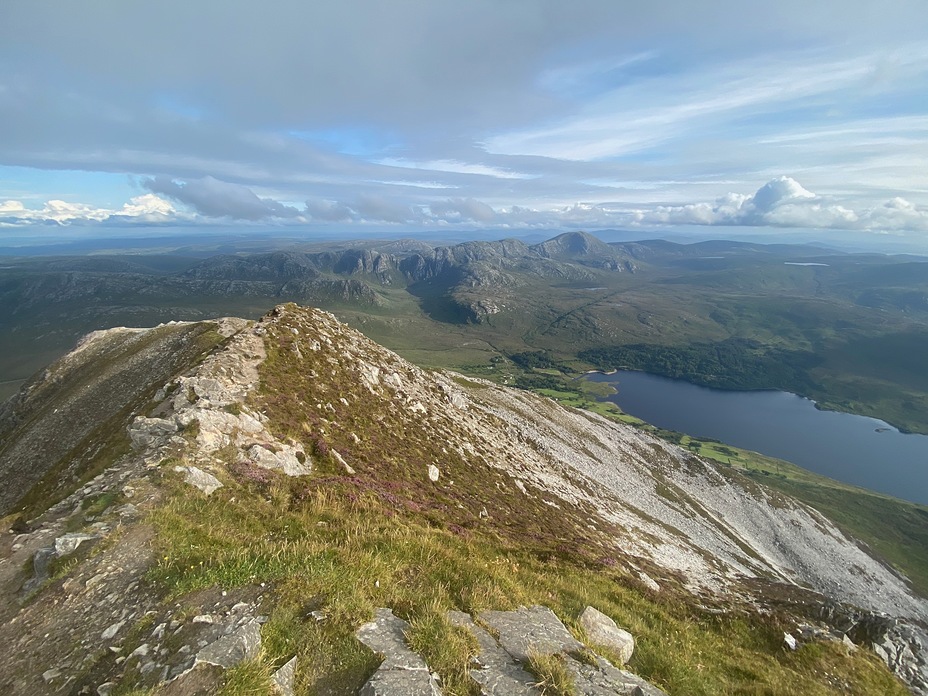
(858,450)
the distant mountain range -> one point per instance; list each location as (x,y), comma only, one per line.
(568,294)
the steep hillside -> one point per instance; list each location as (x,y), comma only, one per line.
(303,489)
(71,419)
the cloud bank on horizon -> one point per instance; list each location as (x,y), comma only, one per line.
(436,114)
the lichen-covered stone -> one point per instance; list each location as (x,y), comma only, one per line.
(284,677)
(494,669)
(241,644)
(529,630)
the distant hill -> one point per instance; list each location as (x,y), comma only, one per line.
(850,323)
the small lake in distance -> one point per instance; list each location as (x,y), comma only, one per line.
(858,450)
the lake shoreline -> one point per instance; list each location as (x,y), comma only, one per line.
(825,407)
(856,449)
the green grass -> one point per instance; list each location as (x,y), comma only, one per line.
(447,649)
(345,556)
(96,505)
(554,679)
(248,678)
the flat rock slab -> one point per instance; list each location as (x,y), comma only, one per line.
(400,682)
(284,677)
(199,479)
(402,672)
(286,460)
(203,680)
(69,542)
(531,630)
(40,562)
(242,644)
(495,670)
(499,669)
(605,679)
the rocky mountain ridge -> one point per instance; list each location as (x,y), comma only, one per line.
(300,396)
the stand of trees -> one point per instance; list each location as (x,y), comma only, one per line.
(735,363)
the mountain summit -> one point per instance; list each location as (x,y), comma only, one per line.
(181,495)
(576,245)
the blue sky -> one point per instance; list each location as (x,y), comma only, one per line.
(432,114)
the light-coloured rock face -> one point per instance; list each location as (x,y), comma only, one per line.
(83,399)
(603,630)
(402,672)
(285,459)
(530,630)
(206,413)
(682,512)
(199,479)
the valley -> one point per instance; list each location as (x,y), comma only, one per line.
(847,330)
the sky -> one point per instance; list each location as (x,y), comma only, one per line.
(479,114)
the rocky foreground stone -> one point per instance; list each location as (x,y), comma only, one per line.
(502,666)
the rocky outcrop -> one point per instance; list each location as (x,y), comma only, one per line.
(530,630)
(203,417)
(70,413)
(199,479)
(900,644)
(284,678)
(503,664)
(494,669)
(402,672)
(586,249)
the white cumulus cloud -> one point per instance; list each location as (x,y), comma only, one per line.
(784,202)
(149,209)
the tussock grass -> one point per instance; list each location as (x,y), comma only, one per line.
(248,678)
(447,649)
(554,679)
